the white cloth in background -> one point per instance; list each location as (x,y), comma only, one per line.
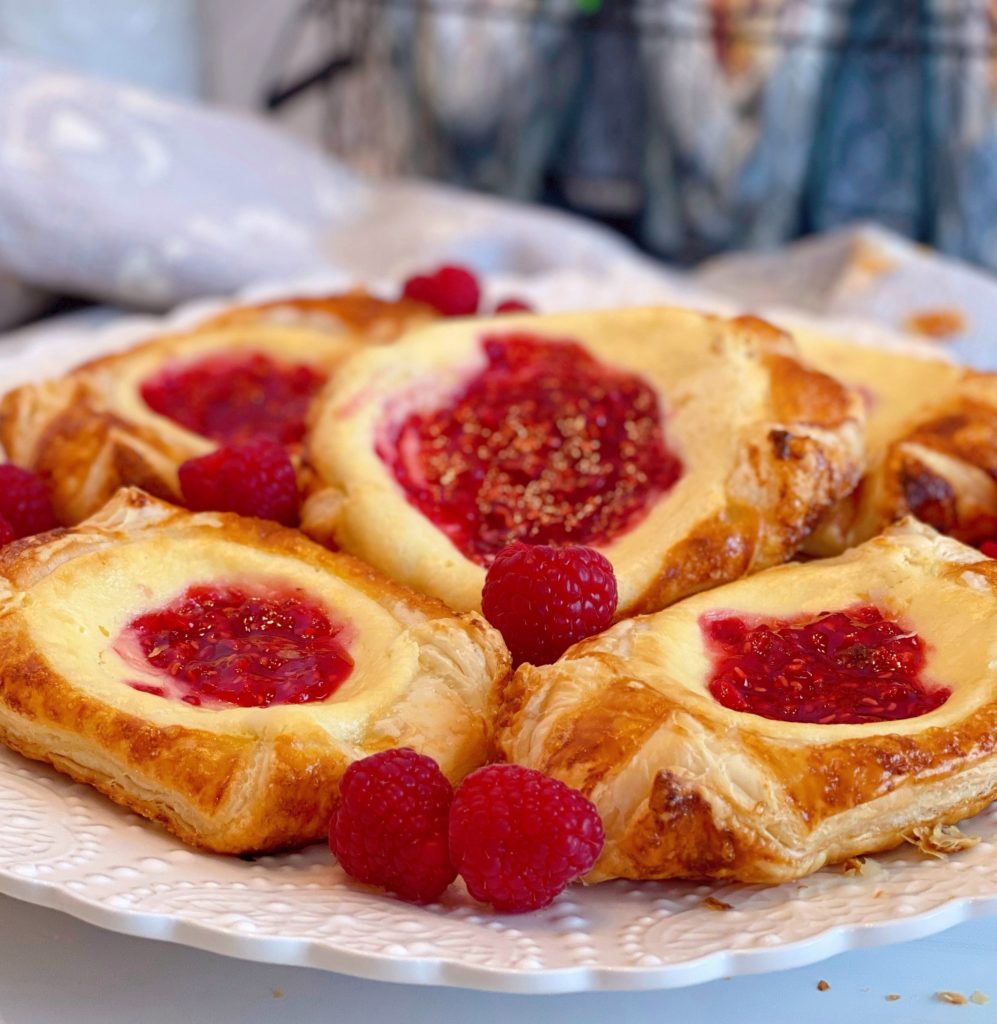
(115,194)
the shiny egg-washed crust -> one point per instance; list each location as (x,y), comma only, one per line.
(932,442)
(690,789)
(767,445)
(89,432)
(232,780)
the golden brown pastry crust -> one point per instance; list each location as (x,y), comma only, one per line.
(688,788)
(231,780)
(932,445)
(89,433)
(767,445)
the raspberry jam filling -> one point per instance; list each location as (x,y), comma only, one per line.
(232,398)
(545,445)
(838,668)
(218,647)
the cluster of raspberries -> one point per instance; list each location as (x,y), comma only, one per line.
(516,836)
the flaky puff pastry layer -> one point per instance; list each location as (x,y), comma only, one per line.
(766,443)
(233,779)
(932,444)
(90,432)
(690,789)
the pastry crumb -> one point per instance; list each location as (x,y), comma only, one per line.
(278,993)
(864,867)
(822,985)
(955,998)
(939,324)
(712,903)
(892,997)
(940,840)
(979,998)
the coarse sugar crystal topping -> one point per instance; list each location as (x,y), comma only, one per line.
(545,444)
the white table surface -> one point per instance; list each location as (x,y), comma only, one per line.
(57,970)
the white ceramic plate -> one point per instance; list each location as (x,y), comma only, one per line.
(64,846)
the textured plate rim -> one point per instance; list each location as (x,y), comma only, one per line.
(421,970)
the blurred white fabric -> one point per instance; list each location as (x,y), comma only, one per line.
(119,195)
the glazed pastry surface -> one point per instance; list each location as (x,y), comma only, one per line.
(76,692)
(932,444)
(689,788)
(765,446)
(89,432)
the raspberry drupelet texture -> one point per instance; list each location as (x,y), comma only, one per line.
(390,828)
(254,479)
(452,291)
(519,837)
(24,502)
(543,599)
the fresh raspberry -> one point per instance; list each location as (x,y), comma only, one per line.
(519,837)
(390,828)
(6,532)
(544,599)
(989,548)
(254,479)
(452,291)
(513,306)
(24,502)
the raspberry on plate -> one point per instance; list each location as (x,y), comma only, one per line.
(24,502)
(6,532)
(254,479)
(519,837)
(543,599)
(452,291)
(390,828)
(989,548)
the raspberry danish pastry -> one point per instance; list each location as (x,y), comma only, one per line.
(688,449)
(810,713)
(218,674)
(932,444)
(134,417)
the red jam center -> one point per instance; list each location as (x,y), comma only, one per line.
(840,668)
(231,398)
(228,647)
(544,445)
